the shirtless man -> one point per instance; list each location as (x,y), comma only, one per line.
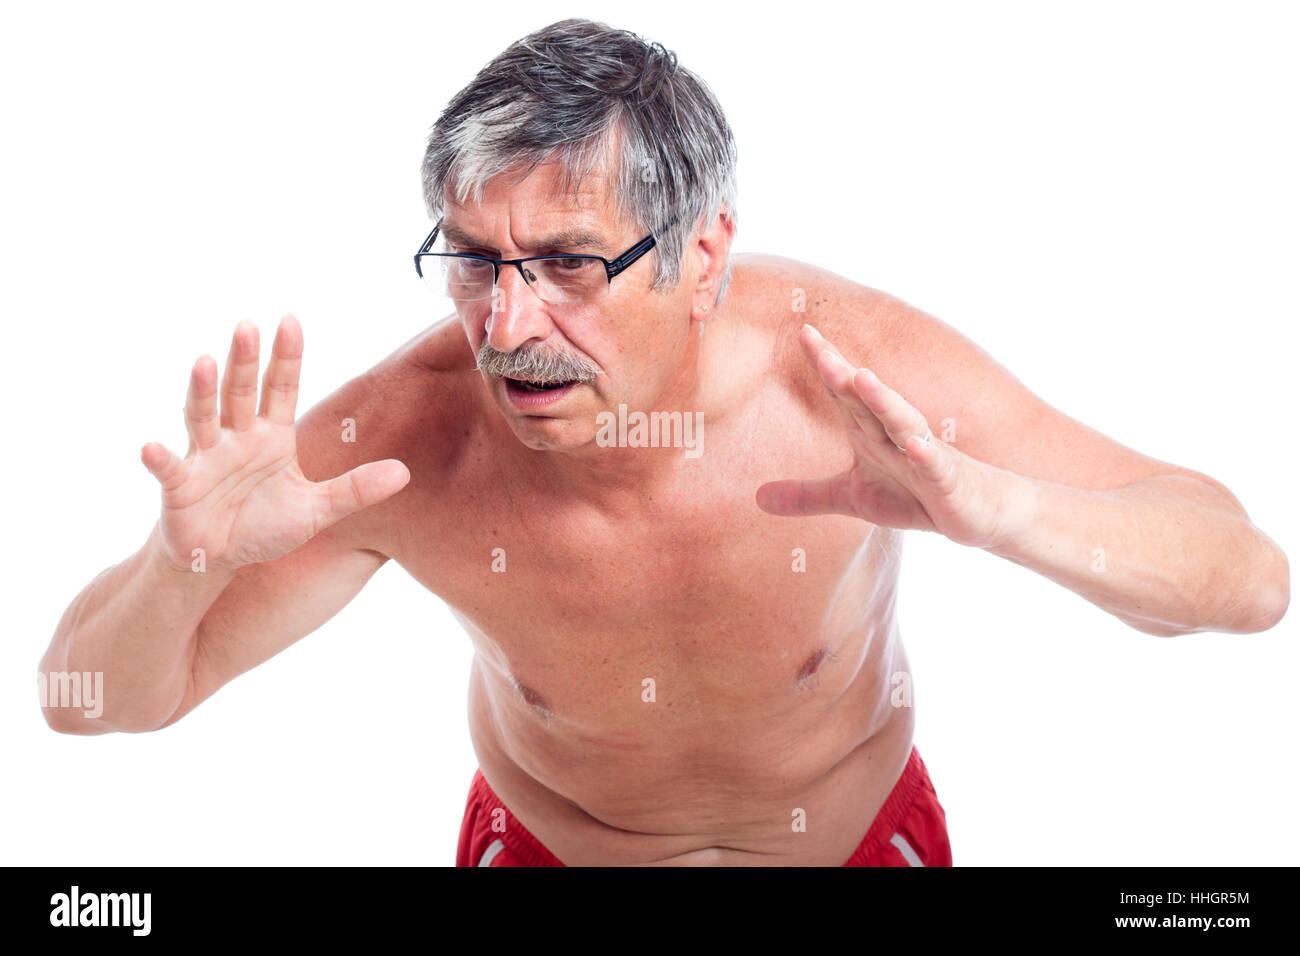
(682,656)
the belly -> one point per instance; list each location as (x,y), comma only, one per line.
(697,757)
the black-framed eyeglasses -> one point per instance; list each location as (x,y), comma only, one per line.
(559,279)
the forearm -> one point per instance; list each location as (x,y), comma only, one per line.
(135,624)
(1167,555)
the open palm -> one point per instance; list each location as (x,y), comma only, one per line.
(900,475)
(239,494)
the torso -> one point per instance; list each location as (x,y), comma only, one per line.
(771,642)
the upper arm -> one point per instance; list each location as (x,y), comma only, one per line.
(977,405)
(268,606)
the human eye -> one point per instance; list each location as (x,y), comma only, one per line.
(560,263)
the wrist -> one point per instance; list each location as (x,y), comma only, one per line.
(198,571)
(1018,509)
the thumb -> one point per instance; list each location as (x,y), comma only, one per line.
(359,488)
(163,465)
(802,497)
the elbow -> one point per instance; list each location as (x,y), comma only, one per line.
(69,705)
(1276,593)
(59,721)
(77,718)
(1255,604)
(71,702)
(76,723)
(1261,608)
(74,702)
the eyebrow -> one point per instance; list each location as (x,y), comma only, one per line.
(570,237)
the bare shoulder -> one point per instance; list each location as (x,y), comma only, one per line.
(782,294)
(968,398)
(415,405)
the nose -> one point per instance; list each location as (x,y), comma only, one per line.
(517,315)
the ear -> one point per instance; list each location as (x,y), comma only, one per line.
(709,251)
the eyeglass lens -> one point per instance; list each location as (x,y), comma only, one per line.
(561,280)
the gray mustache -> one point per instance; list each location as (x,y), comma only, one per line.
(535,365)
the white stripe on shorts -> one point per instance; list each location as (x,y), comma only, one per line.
(904,848)
(495,847)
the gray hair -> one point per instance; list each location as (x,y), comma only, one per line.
(568,93)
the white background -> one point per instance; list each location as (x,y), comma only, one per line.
(1103,196)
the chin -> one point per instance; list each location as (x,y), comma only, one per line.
(549,434)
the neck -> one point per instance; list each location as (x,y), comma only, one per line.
(616,470)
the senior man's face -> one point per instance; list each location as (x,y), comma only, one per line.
(626,347)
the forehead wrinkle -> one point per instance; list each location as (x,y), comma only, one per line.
(550,189)
(567,237)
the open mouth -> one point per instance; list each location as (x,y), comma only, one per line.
(534,396)
(527,386)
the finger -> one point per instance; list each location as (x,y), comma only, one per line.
(814,342)
(201,420)
(837,375)
(280,384)
(163,465)
(933,462)
(814,346)
(239,385)
(359,488)
(899,419)
(800,497)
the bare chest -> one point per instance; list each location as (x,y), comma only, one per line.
(577,609)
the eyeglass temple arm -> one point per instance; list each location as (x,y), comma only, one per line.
(424,246)
(616,266)
(636,252)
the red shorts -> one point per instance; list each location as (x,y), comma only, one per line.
(910,829)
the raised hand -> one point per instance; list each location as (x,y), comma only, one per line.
(901,476)
(238,494)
